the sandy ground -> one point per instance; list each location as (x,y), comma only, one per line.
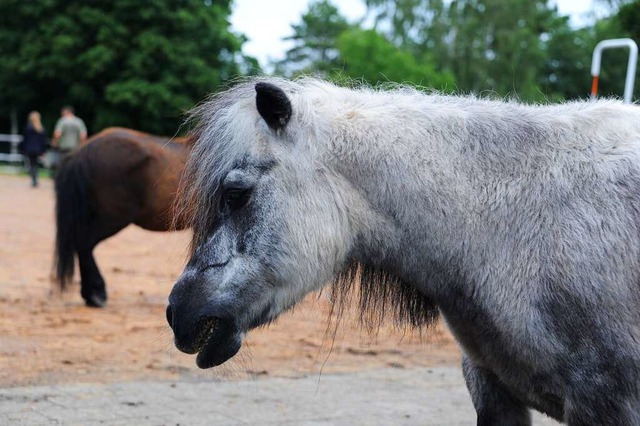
(48,338)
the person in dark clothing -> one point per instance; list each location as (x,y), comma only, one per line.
(34,144)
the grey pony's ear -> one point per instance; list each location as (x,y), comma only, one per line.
(273,105)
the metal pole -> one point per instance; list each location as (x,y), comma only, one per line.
(631,65)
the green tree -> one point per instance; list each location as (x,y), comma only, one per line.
(369,56)
(614,4)
(119,62)
(572,50)
(497,45)
(628,16)
(314,49)
(410,23)
(328,45)
(565,73)
(494,45)
(624,23)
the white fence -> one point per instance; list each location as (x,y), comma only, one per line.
(12,156)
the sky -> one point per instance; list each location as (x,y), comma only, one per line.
(265,23)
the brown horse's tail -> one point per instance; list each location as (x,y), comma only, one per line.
(72,213)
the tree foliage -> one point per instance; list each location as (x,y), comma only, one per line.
(625,23)
(327,44)
(565,70)
(573,50)
(142,64)
(521,48)
(314,39)
(119,62)
(408,23)
(369,56)
(489,45)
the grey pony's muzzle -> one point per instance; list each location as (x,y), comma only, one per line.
(199,327)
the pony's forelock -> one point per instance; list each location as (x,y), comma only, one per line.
(214,151)
(224,130)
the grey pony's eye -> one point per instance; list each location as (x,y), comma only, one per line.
(237,188)
(236,198)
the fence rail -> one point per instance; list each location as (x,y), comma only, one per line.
(10,154)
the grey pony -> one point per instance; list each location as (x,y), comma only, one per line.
(519,224)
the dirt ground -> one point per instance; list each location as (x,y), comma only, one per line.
(48,338)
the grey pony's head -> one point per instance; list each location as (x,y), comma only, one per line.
(268,227)
(272,222)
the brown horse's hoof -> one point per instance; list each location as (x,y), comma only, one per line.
(96,302)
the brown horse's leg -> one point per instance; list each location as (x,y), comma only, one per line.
(93,288)
(92,284)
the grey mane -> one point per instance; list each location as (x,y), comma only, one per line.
(379,295)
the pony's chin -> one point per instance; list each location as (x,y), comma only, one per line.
(219,348)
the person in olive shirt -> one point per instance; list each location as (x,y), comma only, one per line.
(70,131)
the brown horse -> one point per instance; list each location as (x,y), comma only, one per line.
(119,177)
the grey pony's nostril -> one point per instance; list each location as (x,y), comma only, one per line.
(170,316)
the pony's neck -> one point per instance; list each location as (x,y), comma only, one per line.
(409,199)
